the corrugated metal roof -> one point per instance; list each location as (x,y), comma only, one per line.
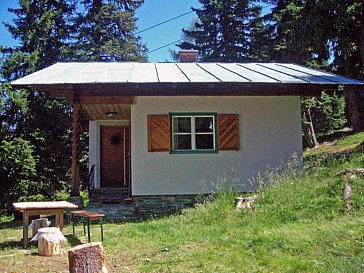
(127,72)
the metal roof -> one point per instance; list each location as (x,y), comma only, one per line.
(128,72)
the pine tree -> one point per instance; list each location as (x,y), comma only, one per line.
(34,129)
(224,31)
(105,32)
(326,34)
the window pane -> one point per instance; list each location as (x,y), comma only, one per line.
(182,142)
(204,124)
(205,142)
(182,125)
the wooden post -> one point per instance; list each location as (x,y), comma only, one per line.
(87,258)
(25,228)
(76,128)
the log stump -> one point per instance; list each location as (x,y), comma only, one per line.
(245,202)
(50,241)
(87,258)
(37,224)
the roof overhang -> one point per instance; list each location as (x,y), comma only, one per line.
(183,79)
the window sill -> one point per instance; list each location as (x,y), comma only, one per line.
(195,152)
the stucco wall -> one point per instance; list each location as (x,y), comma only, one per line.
(270,132)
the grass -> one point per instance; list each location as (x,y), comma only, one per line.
(340,145)
(297,225)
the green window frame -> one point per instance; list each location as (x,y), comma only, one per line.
(186,131)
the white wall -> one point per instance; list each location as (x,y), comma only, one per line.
(270,131)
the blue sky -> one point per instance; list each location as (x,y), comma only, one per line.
(151,13)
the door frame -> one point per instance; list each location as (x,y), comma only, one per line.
(98,140)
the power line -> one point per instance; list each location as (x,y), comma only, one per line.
(174,18)
(163,46)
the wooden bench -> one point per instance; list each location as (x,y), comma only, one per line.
(86,217)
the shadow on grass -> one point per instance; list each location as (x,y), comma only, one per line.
(11,244)
(72,240)
(334,136)
(11,224)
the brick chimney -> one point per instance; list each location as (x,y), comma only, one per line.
(188,56)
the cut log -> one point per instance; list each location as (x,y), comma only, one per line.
(245,202)
(50,241)
(37,224)
(89,257)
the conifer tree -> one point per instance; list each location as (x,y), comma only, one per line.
(227,31)
(34,130)
(105,31)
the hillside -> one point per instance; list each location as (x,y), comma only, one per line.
(298,224)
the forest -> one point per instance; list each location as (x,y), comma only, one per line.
(35,131)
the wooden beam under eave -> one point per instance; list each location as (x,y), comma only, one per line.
(76,153)
(94,100)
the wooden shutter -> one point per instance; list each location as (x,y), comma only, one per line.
(228,132)
(159,133)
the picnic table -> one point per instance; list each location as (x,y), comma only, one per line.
(56,208)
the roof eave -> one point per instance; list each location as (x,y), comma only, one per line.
(185,89)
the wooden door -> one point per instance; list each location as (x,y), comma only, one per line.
(115,156)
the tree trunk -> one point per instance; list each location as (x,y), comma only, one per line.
(87,258)
(355,105)
(355,98)
(308,129)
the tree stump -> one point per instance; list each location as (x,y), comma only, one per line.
(50,241)
(245,202)
(86,258)
(37,224)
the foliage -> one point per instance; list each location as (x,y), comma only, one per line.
(104,31)
(322,34)
(227,31)
(47,32)
(328,112)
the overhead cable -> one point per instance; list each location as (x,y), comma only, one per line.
(174,18)
(163,46)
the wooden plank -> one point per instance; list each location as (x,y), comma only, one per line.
(284,78)
(92,100)
(75,169)
(228,132)
(248,74)
(159,133)
(195,73)
(143,72)
(169,72)
(222,73)
(44,205)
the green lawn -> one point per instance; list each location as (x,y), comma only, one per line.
(297,225)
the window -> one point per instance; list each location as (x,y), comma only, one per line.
(193,132)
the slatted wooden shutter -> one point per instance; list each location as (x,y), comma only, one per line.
(159,133)
(228,132)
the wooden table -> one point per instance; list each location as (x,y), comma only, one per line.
(56,208)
